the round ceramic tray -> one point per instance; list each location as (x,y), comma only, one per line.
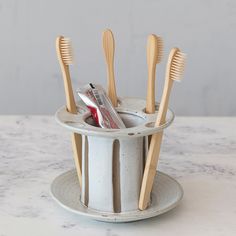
(166,194)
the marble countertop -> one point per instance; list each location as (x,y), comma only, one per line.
(199,152)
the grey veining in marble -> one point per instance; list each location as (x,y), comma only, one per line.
(199,152)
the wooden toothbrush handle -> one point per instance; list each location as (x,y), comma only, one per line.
(109,51)
(65,59)
(150,100)
(77,151)
(152,53)
(112,86)
(70,100)
(154,148)
(71,107)
(150,170)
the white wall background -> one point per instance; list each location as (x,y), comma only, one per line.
(30,79)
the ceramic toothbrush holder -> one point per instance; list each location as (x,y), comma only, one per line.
(113,159)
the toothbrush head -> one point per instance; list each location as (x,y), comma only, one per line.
(64,50)
(154,49)
(176,64)
(108,42)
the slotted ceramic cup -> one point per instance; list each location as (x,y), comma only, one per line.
(113,159)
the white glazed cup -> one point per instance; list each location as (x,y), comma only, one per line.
(112,170)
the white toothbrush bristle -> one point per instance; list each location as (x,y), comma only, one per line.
(177,66)
(66,51)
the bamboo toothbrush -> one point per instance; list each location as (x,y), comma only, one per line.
(174,71)
(64,54)
(109,50)
(154,56)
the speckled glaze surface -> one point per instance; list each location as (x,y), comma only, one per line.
(112,171)
(199,152)
(165,196)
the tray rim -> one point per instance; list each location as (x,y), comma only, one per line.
(115,217)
